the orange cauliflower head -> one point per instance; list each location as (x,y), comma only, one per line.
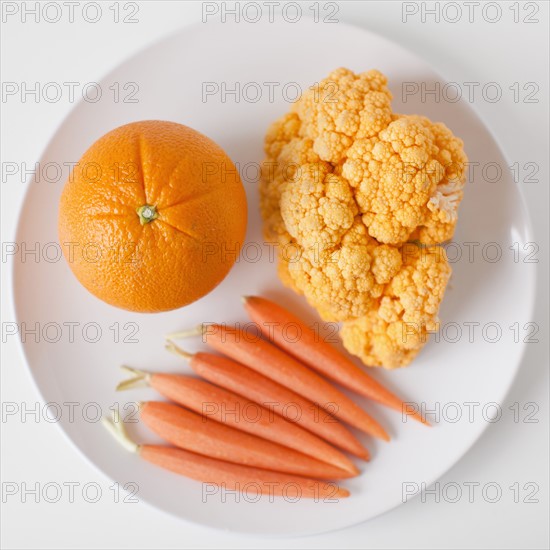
(357,198)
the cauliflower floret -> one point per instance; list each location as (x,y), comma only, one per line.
(440,220)
(346,185)
(336,252)
(386,262)
(317,207)
(370,339)
(344,279)
(286,152)
(396,175)
(337,280)
(342,108)
(392,334)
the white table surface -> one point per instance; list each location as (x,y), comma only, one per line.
(509,453)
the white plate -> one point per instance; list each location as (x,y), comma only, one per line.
(170,75)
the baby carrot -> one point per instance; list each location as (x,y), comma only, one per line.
(233,477)
(264,357)
(240,413)
(262,390)
(239,478)
(196,433)
(273,320)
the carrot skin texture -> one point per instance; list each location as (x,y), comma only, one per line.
(206,399)
(192,432)
(264,357)
(236,477)
(258,388)
(320,356)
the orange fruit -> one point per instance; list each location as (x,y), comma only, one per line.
(152,217)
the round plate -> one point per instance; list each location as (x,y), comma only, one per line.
(188,78)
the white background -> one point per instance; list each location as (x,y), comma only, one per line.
(37,452)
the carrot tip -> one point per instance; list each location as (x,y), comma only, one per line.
(419,418)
